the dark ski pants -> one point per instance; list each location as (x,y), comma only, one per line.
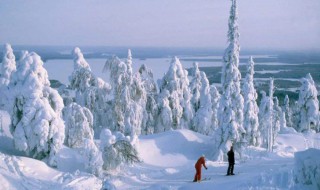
(230,168)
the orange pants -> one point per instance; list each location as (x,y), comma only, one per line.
(197,177)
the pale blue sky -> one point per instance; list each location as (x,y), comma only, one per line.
(264,24)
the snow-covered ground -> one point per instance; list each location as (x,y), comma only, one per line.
(167,163)
(172,167)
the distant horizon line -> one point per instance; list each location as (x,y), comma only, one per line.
(206,48)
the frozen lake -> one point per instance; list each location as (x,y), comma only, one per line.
(61,69)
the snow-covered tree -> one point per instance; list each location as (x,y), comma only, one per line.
(37,126)
(188,112)
(78,125)
(146,75)
(81,78)
(195,86)
(283,125)
(23,55)
(165,121)
(308,105)
(270,117)
(78,60)
(129,65)
(277,114)
(136,117)
(8,67)
(287,111)
(116,149)
(80,136)
(231,102)
(119,80)
(92,157)
(215,99)
(151,111)
(203,117)
(283,122)
(91,91)
(129,96)
(251,109)
(295,115)
(263,119)
(176,82)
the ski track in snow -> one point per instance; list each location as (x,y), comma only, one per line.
(248,175)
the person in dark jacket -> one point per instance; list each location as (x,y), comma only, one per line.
(231,161)
(201,161)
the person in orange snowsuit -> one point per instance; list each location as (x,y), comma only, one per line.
(201,161)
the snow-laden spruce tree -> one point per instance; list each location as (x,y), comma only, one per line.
(78,125)
(164,120)
(116,149)
(251,109)
(78,60)
(137,115)
(8,66)
(269,121)
(277,112)
(176,82)
(287,111)
(195,86)
(295,115)
(283,122)
(202,122)
(118,79)
(129,65)
(80,136)
(263,119)
(129,97)
(284,129)
(308,104)
(37,126)
(137,118)
(92,157)
(23,55)
(215,99)
(91,91)
(151,112)
(231,102)
(270,117)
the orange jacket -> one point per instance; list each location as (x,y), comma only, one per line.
(201,161)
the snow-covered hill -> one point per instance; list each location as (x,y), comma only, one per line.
(169,158)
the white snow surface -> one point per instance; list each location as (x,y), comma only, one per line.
(167,163)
